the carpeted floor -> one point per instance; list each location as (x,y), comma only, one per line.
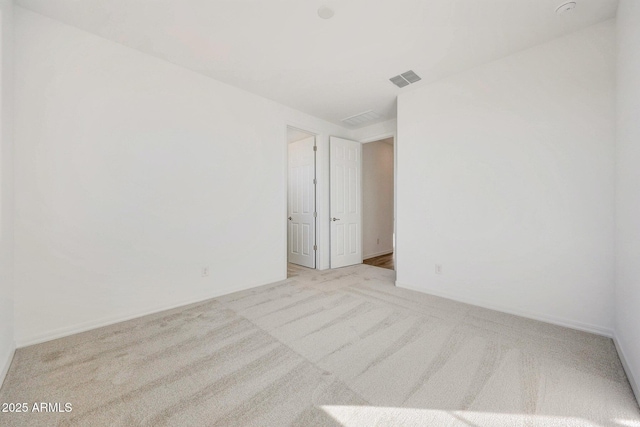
(335,348)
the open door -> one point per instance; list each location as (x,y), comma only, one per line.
(302,203)
(346,202)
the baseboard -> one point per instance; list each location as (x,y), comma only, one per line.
(107,321)
(377,254)
(585,327)
(7,364)
(627,369)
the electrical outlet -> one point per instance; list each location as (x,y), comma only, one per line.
(378,241)
(438,268)
(205,271)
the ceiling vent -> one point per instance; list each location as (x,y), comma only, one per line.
(361,118)
(405,79)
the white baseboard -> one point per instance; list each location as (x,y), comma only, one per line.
(627,369)
(6,364)
(106,321)
(387,252)
(581,326)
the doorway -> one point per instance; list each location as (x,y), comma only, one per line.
(301,200)
(378,237)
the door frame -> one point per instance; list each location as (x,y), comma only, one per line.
(379,137)
(316,135)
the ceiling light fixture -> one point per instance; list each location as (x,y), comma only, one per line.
(565,7)
(325,12)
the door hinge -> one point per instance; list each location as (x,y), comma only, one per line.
(315,214)
(315,247)
(315,148)
(315,181)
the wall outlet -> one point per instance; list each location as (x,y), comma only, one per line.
(378,241)
(205,271)
(438,268)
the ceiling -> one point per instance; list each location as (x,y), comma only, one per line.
(336,68)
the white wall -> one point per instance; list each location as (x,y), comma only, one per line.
(377,198)
(375,131)
(6,188)
(506,178)
(133,174)
(295,135)
(627,325)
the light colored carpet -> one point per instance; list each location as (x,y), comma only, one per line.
(335,348)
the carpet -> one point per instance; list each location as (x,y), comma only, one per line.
(324,348)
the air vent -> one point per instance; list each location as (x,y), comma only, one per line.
(399,81)
(362,118)
(405,79)
(411,77)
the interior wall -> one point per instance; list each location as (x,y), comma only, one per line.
(627,325)
(375,131)
(377,198)
(506,179)
(295,135)
(132,176)
(7,345)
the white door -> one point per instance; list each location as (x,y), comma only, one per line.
(302,203)
(346,202)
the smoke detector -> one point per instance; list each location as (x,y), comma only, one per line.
(325,12)
(565,7)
